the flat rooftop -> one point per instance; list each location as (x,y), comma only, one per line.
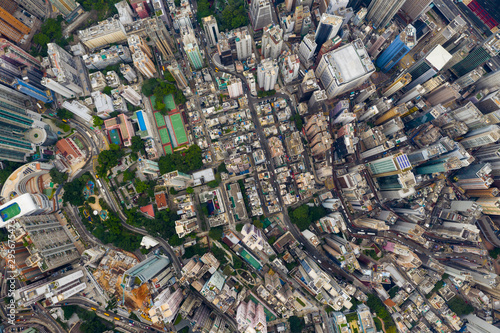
(349,62)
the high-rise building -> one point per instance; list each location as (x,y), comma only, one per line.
(211,29)
(481,136)
(443,94)
(414,8)
(490,103)
(333,5)
(491,206)
(381,12)
(132,96)
(17,56)
(400,83)
(469,78)
(125,12)
(234,87)
(390,165)
(136,42)
(298,17)
(166,305)
(428,66)
(159,35)
(178,74)
(307,49)
(64,69)
(377,45)
(243,43)
(103,104)
(107,57)
(65,7)
(328,28)
(400,47)
(260,14)
(128,73)
(144,64)
(143,8)
(11,27)
(34,7)
(446,35)
(345,68)
(23,205)
(489,81)
(470,115)
(272,41)
(290,68)
(267,74)
(194,55)
(250,316)
(426,117)
(105,32)
(479,56)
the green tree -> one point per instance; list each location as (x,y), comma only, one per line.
(186,161)
(107,90)
(64,114)
(173,191)
(459,306)
(91,200)
(213,183)
(169,77)
(175,240)
(296,324)
(137,145)
(216,233)
(298,121)
(239,227)
(141,186)
(58,177)
(258,224)
(128,175)
(97,121)
(190,190)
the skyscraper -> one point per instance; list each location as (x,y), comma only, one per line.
(481,136)
(105,32)
(478,56)
(328,28)
(136,42)
(381,12)
(344,68)
(178,75)
(11,27)
(17,56)
(272,41)
(428,66)
(64,69)
(400,47)
(390,165)
(26,204)
(159,35)
(65,7)
(35,7)
(306,49)
(414,8)
(211,29)
(443,94)
(400,83)
(260,14)
(144,64)
(234,87)
(267,74)
(243,45)
(194,55)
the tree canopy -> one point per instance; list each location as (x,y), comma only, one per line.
(184,161)
(50,32)
(216,233)
(160,89)
(97,121)
(64,114)
(108,159)
(304,215)
(73,191)
(458,305)
(58,177)
(137,145)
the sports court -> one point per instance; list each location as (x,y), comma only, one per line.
(10,212)
(160,119)
(114,136)
(169,102)
(250,259)
(164,137)
(178,126)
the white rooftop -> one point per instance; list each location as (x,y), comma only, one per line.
(348,63)
(207,175)
(438,57)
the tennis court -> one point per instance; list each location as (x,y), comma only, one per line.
(169,102)
(10,211)
(115,137)
(160,119)
(164,136)
(168,149)
(250,259)
(178,125)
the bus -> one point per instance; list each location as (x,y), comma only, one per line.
(93,309)
(106,314)
(116,318)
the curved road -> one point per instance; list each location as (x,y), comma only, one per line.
(91,138)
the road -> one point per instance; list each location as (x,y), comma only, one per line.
(97,145)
